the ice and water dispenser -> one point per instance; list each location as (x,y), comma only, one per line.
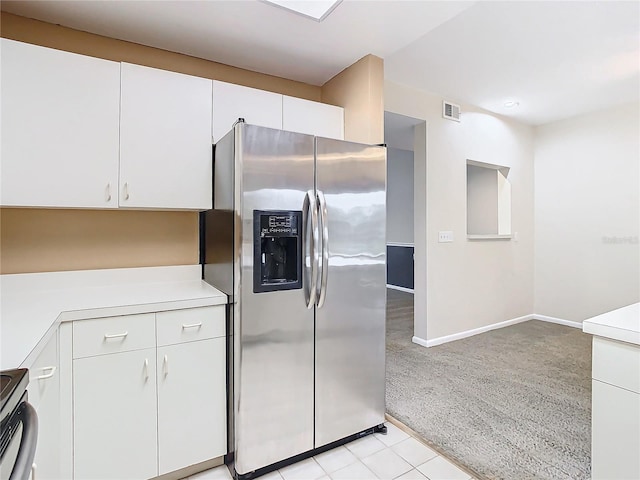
(277,250)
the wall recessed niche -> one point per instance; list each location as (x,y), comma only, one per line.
(488,201)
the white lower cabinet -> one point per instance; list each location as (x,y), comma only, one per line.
(191,398)
(44,395)
(615,412)
(615,432)
(114,416)
(149,393)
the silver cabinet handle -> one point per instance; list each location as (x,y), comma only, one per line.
(52,370)
(192,325)
(34,467)
(325,248)
(126,190)
(146,369)
(311,241)
(116,335)
(109,192)
(165,364)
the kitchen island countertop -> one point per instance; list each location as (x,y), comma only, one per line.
(622,324)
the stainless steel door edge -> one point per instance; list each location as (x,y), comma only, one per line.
(350,326)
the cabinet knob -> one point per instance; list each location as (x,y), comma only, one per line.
(146,369)
(108,192)
(126,191)
(166,365)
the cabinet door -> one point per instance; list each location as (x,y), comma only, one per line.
(191,403)
(115,416)
(165,140)
(257,107)
(44,395)
(615,433)
(59,128)
(312,118)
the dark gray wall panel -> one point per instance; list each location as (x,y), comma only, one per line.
(400,266)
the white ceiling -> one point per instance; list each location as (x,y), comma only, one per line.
(557,59)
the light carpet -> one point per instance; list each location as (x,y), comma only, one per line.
(512,403)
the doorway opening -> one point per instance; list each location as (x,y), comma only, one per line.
(400,137)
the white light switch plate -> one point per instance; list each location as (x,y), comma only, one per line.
(445,237)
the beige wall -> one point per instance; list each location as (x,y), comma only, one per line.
(466,284)
(68,39)
(360,90)
(587,214)
(49,240)
(38,240)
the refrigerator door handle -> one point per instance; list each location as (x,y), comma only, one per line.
(311,242)
(322,204)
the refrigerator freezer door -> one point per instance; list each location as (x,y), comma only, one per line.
(274,330)
(350,325)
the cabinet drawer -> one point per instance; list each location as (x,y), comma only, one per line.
(616,363)
(190,324)
(113,334)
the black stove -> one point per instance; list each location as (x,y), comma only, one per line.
(13,384)
(18,425)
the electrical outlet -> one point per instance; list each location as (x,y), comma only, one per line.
(445,237)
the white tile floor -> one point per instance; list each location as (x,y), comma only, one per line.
(396,455)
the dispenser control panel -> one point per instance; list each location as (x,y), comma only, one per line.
(277,250)
(278,225)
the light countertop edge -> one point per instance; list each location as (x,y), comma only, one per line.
(32,313)
(622,324)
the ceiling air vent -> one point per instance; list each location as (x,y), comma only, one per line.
(451,111)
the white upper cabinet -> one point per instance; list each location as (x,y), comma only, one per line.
(312,118)
(59,128)
(257,107)
(82,132)
(165,140)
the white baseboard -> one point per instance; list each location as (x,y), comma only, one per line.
(402,289)
(494,326)
(420,341)
(559,321)
(469,333)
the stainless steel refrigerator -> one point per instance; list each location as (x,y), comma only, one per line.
(296,238)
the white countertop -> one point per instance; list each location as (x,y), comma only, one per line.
(622,324)
(33,304)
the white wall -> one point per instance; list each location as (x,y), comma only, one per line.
(399,196)
(587,214)
(469,284)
